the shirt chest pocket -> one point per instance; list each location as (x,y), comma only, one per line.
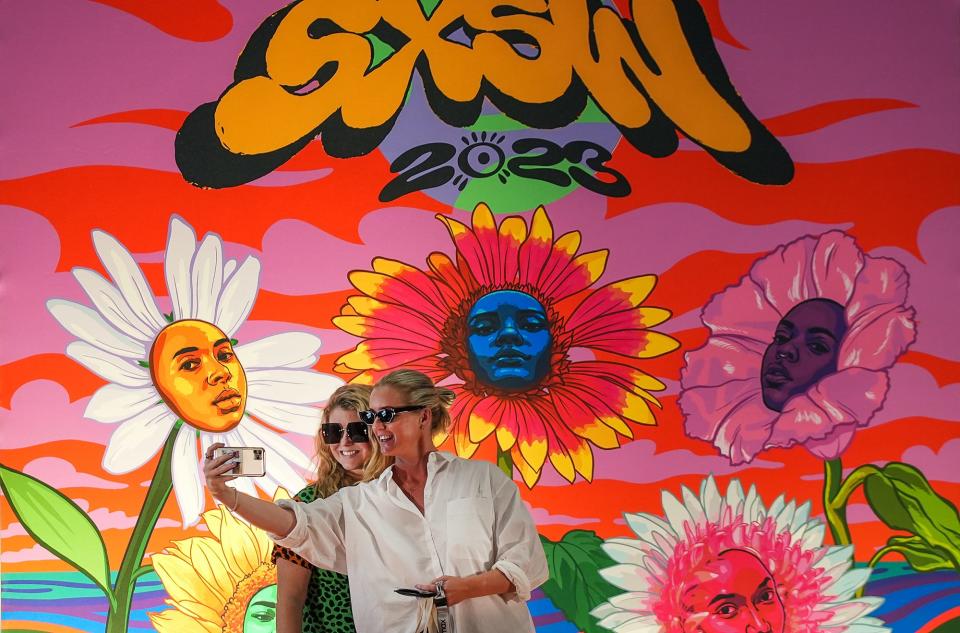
(470,525)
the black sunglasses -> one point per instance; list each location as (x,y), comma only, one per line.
(386,414)
(356,431)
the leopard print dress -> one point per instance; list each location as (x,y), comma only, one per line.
(327,609)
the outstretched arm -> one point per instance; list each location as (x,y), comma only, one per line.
(263,514)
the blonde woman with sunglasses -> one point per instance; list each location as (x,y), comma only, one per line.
(435,542)
(311,599)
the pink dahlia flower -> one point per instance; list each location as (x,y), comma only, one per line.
(798,351)
(721,562)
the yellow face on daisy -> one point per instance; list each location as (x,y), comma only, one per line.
(198,375)
(224,582)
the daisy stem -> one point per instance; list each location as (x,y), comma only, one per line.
(130,569)
(505,462)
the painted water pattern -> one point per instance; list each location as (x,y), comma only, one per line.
(68,602)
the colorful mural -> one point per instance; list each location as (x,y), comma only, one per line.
(659,250)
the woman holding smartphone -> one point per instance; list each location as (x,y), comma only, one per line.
(430,521)
(310,599)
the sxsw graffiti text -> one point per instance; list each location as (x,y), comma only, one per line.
(310,70)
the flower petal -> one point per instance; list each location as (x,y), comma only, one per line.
(616,298)
(878,338)
(836,263)
(115,403)
(181,246)
(173,621)
(742,311)
(87,325)
(296,386)
(107,366)
(383,354)
(296,418)
(722,359)
(128,278)
(398,288)
(238,296)
(847,397)
(290,350)
(731,415)
(185,471)
(206,278)
(138,439)
(251,431)
(110,303)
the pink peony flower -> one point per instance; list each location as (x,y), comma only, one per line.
(763,381)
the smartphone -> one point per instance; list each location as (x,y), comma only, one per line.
(252,460)
(415,593)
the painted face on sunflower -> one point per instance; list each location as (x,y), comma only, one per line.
(261,613)
(735,594)
(804,350)
(197,374)
(509,340)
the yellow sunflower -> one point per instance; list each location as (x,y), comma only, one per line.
(220,583)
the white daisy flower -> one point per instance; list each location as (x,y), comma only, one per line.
(270,379)
(717,561)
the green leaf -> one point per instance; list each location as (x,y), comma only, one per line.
(58,524)
(575,585)
(919,555)
(904,500)
(143,363)
(234,342)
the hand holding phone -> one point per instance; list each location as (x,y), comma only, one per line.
(251,460)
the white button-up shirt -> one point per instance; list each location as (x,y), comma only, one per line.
(473,521)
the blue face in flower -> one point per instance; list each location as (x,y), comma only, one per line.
(509,340)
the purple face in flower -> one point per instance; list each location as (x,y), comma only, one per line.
(509,340)
(804,350)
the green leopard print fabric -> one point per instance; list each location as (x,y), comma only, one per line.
(327,609)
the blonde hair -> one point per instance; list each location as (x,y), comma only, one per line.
(420,391)
(331,476)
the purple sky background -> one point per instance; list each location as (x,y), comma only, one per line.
(800,54)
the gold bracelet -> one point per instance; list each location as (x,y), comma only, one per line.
(236,500)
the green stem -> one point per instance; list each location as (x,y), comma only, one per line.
(160,487)
(836,515)
(505,462)
(852,482)
(881,553)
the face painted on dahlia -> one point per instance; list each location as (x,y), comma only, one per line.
(197,374)
(804,350)
(509,340)
(733,593)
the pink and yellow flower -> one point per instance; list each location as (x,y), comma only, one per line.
(814,583)
(721,395)
(408,317)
